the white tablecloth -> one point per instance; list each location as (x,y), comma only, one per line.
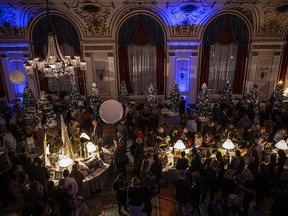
(99,178)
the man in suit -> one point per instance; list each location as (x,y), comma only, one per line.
(96,132)
(121,139)
(182,195)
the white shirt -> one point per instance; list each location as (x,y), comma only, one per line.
(191,125)
(71,186)
(9,142)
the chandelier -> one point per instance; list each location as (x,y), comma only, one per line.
(55,64)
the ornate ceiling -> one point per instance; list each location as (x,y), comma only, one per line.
(100,19)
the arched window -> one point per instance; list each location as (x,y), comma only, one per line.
(69,43)
(225,43)
(141,54)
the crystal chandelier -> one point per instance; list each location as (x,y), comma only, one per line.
(55,64)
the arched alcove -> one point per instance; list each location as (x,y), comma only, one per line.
(224,52)
(141,45)
(69,44)
(65,31)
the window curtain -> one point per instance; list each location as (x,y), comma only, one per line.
(142,67)
(69,43)
(226,29)
(140,30)
(221,68)
(284,66)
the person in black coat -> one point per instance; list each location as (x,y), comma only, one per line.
(135,196)
(120,159)
(182,107)
(120,185)
(210,181)
(195,192)
(182,163)
(156,172)
(96,131)
(246,184)
(62,198)
(280,202)
(148,192)
(182,195)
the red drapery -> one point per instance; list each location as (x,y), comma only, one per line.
(205,65)
(239,72)
(141,40)
(123,67)
(284,65)
(225,38)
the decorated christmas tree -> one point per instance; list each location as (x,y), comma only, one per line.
(150,100)
(29,103)
(95,98)
(203,106)
(252,96)
(278,96)
(45,111)
(74,97)
(123,97)
(174,98)
(226,93)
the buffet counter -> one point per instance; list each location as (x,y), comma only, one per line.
(100,177)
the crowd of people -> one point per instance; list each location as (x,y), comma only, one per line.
(231,183)
(257,171)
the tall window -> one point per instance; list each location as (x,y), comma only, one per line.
(225,43)
(223,58)
(142,67)
(141,54)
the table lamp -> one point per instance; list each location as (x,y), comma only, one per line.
(281,145)
(229,145)
(65,162)
(83,139)
(90,147)
(179,145)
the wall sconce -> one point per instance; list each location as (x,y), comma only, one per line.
(182,73)
(263,72)
(100,73)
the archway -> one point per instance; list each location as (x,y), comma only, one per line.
(225,40)
(141,54)
(69,44)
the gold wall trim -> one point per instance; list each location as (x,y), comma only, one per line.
(110,54)
(98,47)
(267,46)
(183,47)
(194,54)
(171,54)
(87,54)
(255,53)
(277,53)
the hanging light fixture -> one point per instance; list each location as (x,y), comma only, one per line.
(55,63)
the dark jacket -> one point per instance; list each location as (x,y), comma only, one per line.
(182,191)
(135,195)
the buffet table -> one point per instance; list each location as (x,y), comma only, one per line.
(100,177)
(93,181)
